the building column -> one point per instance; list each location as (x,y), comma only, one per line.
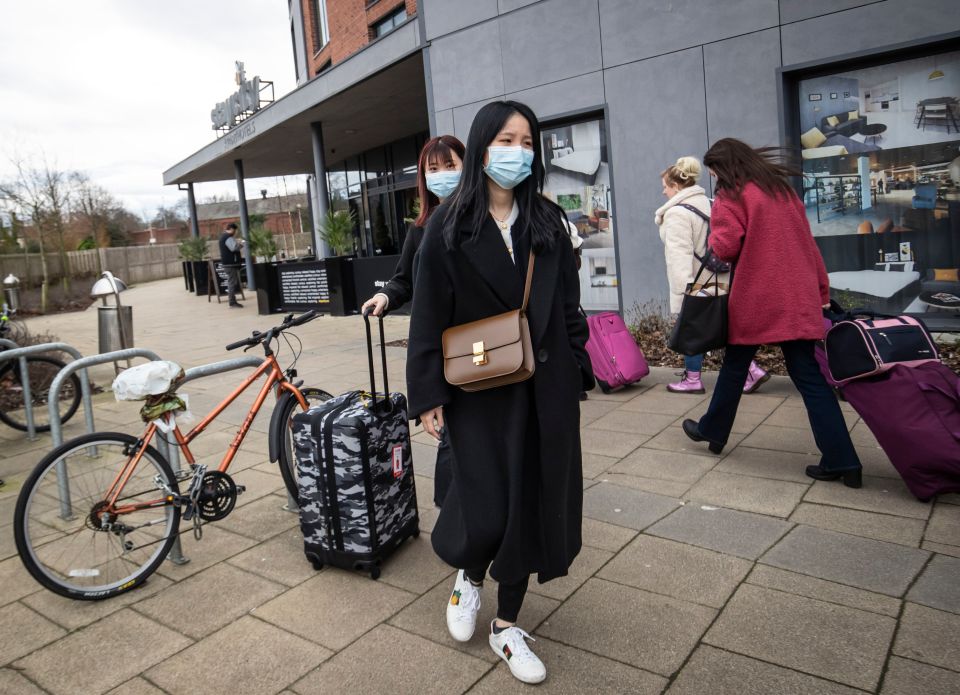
(192,211)
(244,221)
(322,197)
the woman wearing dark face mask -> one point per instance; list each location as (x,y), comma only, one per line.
(515,501)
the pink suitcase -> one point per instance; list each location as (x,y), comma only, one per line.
(617,360)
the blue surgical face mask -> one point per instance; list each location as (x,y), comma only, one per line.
(508,166)
(442,183)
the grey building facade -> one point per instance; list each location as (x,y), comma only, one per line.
(625,87)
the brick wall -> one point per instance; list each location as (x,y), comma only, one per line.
(276,222)
(349,22)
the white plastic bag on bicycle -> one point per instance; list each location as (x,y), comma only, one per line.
(149,379)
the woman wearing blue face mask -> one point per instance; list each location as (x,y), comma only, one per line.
(438,173)
(515,500)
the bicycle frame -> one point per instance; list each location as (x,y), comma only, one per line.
(275,377)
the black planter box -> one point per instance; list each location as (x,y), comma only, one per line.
(198,271)
(371,275)
(326,285)
(187,276)
(267,279)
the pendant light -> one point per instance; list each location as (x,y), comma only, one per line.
(937,74)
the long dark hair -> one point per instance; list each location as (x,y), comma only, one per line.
(736,164)
(434,150)
(538,216)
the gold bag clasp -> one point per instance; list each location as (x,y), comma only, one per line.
(479,354)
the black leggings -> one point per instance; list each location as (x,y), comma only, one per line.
(509,596)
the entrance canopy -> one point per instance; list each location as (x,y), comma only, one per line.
(374,97)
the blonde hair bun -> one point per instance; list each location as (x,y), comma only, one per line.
(688,169)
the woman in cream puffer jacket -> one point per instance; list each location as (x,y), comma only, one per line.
(684,236)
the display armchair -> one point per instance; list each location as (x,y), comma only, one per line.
(925,196)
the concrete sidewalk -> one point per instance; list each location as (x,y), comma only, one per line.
(699,573)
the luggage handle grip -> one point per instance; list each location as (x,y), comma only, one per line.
(383,358)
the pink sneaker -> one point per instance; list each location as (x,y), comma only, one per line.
(755,378)
(690,383)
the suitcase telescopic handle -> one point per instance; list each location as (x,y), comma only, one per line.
(383,358)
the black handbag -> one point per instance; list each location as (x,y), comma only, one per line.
(702,324)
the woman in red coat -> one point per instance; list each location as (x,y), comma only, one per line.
(779,288)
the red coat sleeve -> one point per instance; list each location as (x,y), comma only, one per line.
(728,225)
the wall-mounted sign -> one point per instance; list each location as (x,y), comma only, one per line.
(243,103)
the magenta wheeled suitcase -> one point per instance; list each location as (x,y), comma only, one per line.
(914,412)
(616,358)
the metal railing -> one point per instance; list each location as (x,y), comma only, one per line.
(21,353)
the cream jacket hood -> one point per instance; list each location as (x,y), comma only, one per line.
(683,234)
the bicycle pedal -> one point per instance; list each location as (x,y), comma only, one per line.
(241,489)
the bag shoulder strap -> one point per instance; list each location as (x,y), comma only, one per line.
(697,211)
(527,283)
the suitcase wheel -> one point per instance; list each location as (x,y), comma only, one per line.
(317,565)
(604,386)
(374,572)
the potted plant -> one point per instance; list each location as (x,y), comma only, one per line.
(337,231)
(193,251)
(263,249)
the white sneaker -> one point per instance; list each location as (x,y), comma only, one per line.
(511,646)
(462,609)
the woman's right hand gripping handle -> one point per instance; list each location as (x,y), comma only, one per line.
(432,421)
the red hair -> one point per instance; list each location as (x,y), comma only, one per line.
(434,150)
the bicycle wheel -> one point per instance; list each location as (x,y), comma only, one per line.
(42,371)
(60,537)
(288,464)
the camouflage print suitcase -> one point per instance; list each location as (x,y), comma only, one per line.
(358,501)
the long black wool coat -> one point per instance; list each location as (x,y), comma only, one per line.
(516,496)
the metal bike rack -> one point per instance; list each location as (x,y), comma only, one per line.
(20,353)
(220,368)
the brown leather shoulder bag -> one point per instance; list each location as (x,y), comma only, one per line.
(491,352)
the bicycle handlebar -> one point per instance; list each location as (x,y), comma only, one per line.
(289,322)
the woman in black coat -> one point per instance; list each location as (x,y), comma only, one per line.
(438,174)
(515,501)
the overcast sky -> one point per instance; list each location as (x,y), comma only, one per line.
(122,89)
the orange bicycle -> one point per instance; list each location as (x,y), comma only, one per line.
(99,514)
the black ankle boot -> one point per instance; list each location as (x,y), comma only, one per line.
(691,428)
(851,478)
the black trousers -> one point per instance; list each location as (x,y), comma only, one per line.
(509,596)
(233,282)
(826,419)
(443,471)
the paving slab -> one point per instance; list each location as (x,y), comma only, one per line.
(594,465)
(678,570)
(944,525)
(823,590)
(906,677)
(665,465)
(659,401)
(883,495)
(748,494)
(414,566)
(262,659)
(930,636)
(16,582)
(102,656)
(766,403)
(763,463)
(792,415)
(625,507)
(607,443)
(885,568)
(32,632)
(826,640)
(797,440)
(592,409)
(279,559)
(713,671)
(427,617)
(334,607)
(744,423)
(263,518)
(673,439)
(649,631)
(389,660)
(881,527)
(227,591)
(15,684)
(724,530)
(621,420)
(572,671)
(942,548)
(598,534)
(939,585)
(216,545)
(73,614)
(665,488)
(585,565)
(136,686)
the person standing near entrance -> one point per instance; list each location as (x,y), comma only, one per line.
(438,173)
(684,228)
(231,259)
(780,287)
(514,507)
